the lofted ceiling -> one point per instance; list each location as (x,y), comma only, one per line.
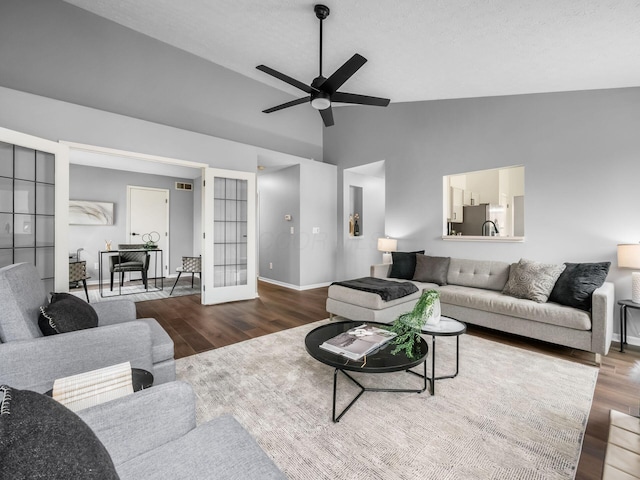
(416,49)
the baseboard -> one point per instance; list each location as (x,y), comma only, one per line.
(294,287)
(630,340)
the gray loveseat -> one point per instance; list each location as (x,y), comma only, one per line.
(473,295)
(29,360)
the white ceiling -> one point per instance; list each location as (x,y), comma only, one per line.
(417,49)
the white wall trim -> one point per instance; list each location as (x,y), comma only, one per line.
(299,288)
(630,340)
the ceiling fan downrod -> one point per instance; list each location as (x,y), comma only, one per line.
(322,12)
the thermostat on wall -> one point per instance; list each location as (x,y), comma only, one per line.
(287,218)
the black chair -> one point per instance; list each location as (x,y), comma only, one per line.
(135,261)
(190,265)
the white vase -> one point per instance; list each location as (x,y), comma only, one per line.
(434,318)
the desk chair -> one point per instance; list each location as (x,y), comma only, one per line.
(190,265)
(137,261)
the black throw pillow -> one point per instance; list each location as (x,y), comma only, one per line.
(404,264)
(576,284)
(66,313)
(431,269)
(40,438)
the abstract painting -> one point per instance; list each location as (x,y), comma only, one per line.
(82,212)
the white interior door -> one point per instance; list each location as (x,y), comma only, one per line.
(148,212)
(229,239)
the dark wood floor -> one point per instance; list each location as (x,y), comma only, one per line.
(197,328)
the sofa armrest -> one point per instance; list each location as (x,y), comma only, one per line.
(34,364)
(135,424)
(115,311)
(603,302)
(381,270)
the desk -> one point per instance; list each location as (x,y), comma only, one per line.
(155,252)
(624,304)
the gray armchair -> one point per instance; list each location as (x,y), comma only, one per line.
(152,434)
(29,360)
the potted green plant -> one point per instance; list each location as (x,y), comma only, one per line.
(409,325)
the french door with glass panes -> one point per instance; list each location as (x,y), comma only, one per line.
(229,243)
(34,203)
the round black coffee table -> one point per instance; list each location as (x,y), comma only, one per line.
(379,361)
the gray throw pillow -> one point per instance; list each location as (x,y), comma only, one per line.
(431,269)
(532,280)
(66,313)
(41,438)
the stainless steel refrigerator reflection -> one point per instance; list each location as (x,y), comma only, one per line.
(483,220)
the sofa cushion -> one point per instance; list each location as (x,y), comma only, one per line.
(496,302)
(532,280)
(40,438)
(431,269)
(369,300)
(404,264)
(220,448)
(576,284)
(66,313)
(478,273)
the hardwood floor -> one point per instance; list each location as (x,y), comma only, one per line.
(196,328)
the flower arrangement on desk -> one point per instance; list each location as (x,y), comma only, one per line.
(151,240)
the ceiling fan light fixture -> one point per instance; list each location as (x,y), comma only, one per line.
(321,101)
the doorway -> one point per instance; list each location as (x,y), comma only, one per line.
(148,219)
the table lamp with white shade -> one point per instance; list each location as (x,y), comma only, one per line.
(629,257)
(387,245)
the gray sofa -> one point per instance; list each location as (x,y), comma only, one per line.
(473,295)
(29,360)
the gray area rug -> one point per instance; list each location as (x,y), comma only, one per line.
(510,413)
(136,292)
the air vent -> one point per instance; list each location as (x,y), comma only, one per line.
(184,186)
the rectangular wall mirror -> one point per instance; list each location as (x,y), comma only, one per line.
(485,205)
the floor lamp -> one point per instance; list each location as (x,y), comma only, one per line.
(629,257)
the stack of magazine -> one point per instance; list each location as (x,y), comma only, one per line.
(358,341)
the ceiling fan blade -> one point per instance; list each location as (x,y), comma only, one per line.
(359,99)
(292,103)
(327,116)
(335,81)
(285,78)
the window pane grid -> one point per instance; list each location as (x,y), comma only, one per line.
(230,232)
(27,207)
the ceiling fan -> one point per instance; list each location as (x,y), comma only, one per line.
(323,91)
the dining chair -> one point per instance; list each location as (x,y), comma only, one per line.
(190,265)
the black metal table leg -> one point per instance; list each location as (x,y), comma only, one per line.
(365,389)
(623,323)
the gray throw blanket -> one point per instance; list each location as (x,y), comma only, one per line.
(387,289)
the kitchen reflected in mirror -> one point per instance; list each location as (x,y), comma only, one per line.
(486,205)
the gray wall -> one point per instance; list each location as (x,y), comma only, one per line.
(57,50)
(359,253)
(318,206)
(581,152)
(279,196)
(106,185)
